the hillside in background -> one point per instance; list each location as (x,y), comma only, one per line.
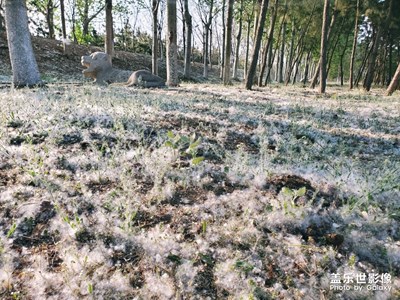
(54,65)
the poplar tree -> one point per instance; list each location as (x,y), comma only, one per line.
(24,66)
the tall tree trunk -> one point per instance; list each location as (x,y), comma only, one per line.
(354,47)
(367,53)
(268,47)
(256,50)
(313,66)
(297,61)
(238,39)
(256,16)
(154,52)
(109,42)
(390,62)
(305,77)
(50,18)
(394,83)
(372,59)
(271,56)
(289,62)
(270,61)
(222,64)
(246,59)
(172,49)
(87,19)
(205,51)
(182,9)
(380,76)
(292,63)
(341,72)
(207,25)
(63,27)
(210,47)
(314,79)
(282,54)
(324,46)
(73,20)
(248,21)
(160,43)
(228,44)
(2,26)
(188,48)
(23,62)
(332,49)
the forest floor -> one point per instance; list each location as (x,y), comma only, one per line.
(197,192)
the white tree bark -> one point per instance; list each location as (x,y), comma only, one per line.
(172,49)
(23,62)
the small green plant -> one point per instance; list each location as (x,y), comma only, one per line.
(288,201)
(16,295)
(243,266)
(204,227)
(174,258)
(13,121)
(270,108)
(187,146)
(73,223)
(206,259)
(90,288)
(12,116)
(352,260)
(292,195)
(12,229)
(129,216)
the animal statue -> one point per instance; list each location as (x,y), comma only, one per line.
(99,67)
(144,78)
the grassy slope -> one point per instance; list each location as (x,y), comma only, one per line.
(98,200)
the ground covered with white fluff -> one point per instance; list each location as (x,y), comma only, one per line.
(199,192)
